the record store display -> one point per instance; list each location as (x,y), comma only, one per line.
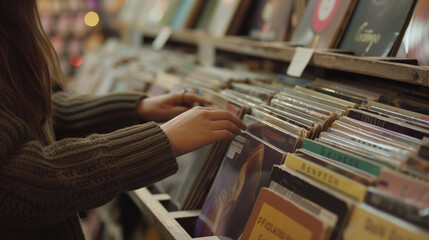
(340,152)
(414,44)
(272,20)
(377,27)
(323,23)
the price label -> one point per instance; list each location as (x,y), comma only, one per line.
(206,53)
(162,38)
(299,62)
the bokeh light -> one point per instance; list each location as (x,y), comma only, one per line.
(92,19)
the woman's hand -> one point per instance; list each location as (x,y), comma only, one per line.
(165,107)
(201,126)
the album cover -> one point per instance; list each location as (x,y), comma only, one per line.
(273,217)
(346,87)
(382,158)
(201,185)
(310,126)
(261,93)
(414,44)
(377,26)
(330,106)
(182,13)
(400,111)
(302,109)
(341,156)
(326,216)
(222,16)
(397,117)
(369,138)
(323,23)
(196,167)
(261,114)
(206,14)
(389,134)
(338,94)
(271,20)
(398,207)
(245,169)
(404,187)
(370,223)
(388,123)
(272,134)
(338,204)
(309,105)
(332,179)
(279,105)
(338,167)
(343,103)
(408,104)
(252,101)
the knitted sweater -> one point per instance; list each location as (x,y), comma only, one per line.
(42,188)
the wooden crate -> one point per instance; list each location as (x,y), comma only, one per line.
(170,224)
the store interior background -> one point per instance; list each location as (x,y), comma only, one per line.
(78,28)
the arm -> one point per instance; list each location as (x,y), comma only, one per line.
(82,115)
(40,185)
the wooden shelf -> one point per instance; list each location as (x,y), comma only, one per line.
(171,225)
(417,75)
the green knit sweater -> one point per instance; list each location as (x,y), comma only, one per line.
(42,188)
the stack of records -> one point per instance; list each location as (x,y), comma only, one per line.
(189,186)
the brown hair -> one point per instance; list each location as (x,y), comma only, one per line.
(28,62)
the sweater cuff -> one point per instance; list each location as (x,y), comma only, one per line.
(143,154)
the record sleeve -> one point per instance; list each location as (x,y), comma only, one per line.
(272,20)
(341,156)
(314,191)
(245,169)
(370,223)
(333,105)
(182,13)
(377,27)
(404,187)
(321,213)
(272,134)
(292,128)
(222,17)
(338,94)
(390,124)
(326,176)
(363,151)
(369,138)
(343,169)
(414,44)
(394,136)
(196,167)
(398,207)
(279,105)
(274,217)
(323,23)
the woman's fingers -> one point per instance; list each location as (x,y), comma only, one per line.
(225,115)
(224,125)
(189,98)
(200,126)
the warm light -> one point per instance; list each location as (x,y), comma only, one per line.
(76,60)
(91,19)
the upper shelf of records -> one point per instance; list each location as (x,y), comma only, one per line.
(378,67)
(379,33)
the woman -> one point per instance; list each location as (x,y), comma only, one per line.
(45,182)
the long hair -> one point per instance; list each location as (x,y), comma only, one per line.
(28,62)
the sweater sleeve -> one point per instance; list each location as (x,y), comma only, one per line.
(40,185)
(79,116)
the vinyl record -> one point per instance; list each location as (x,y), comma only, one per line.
(415,42)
